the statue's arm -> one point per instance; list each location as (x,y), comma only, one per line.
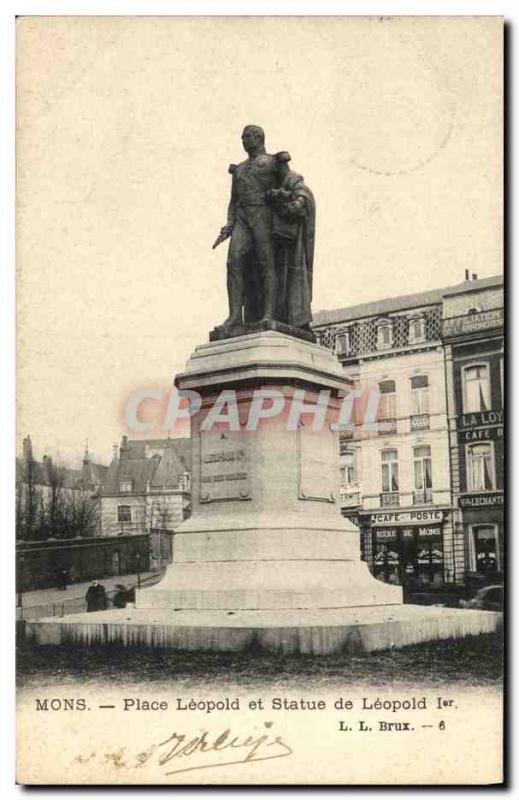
(231,211)
(226,231)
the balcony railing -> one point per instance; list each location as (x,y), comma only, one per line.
(389,499)
(345,442)
(386,426)
(350,495)
(469,323)
(420,422)
(422,497)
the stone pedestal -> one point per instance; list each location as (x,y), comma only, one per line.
(266,532)
(266,562)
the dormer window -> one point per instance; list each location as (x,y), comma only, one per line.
(384,334)
(342,343)
(125,484)
(416,329)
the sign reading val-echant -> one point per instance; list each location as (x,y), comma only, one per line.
(224,467)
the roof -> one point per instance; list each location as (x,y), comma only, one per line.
(42,474)
(401,302)
(170,469)
(137,470)
(496,281)
(181,446)
(159,471)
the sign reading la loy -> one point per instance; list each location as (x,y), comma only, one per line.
(487,499)
(476,418)
(406,517)
(481,426)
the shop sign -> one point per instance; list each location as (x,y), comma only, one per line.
(481,426)
(485,499)
(481,434)
(479,418)
(406,517)
(407,533)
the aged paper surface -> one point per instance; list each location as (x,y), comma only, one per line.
(125,131)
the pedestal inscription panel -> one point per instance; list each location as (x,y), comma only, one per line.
(224,467)
(315,452)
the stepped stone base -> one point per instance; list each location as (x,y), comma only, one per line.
(315,632)
(266,562)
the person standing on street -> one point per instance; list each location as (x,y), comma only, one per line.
(96,597)
(63,579)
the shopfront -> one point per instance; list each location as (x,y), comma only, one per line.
(483,525)
(407,547)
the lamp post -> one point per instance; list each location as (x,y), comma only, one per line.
(19,590)
(138,570)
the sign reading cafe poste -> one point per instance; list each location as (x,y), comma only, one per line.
(406,517)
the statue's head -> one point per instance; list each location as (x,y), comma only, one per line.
(252,137)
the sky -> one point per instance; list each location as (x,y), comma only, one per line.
(125,131)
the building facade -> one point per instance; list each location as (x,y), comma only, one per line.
(415,475)
(395,471)
(147,487)
(474,357)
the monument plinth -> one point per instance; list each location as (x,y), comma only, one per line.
(266,560)
(266,531)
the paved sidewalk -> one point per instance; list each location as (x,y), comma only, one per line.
(76,591)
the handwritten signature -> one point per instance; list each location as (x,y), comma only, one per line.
(251,748)
(177,748)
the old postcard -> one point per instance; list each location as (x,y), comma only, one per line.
(259,468)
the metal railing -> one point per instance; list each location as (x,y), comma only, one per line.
(350,495)
(386,426)
(422,497)
(389,499)
(72,605)
(420,422)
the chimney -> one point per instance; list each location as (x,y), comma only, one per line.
(124,449)
(86,457)
(474,276)
(467,275)
(115,451)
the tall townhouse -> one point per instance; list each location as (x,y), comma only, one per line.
(473,339)
(395,471)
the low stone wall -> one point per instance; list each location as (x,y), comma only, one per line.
(315,632)
(38,563)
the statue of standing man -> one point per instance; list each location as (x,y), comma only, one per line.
(271,224)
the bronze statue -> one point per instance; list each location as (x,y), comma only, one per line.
(271,225)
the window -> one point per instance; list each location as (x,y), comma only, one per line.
(422,468)
(389,471)
(348,467)
(476,389)
(342,343)
(484,549)
(480,463)
(419,394)
(124,514)
(384,334)
(417,329)
(125,484)
(387,402)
